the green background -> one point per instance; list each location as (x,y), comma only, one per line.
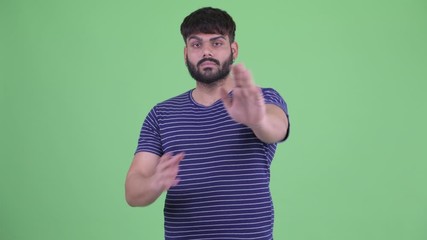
(78,78)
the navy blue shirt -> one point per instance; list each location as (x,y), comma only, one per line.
(223,191)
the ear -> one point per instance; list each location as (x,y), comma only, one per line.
(185,54)
(234,50)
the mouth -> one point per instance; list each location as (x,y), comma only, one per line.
(208,62)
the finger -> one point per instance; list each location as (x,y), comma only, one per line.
(225,98)
(165,157)
(168,160)
(177,158)
(237,72)
(174,182)
(174,161)
(242,76)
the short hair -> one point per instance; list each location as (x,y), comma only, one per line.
(210,21)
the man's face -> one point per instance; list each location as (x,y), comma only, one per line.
(209,57)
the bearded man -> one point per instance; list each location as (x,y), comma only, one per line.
(210,148)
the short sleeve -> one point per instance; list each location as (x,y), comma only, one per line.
(271,96)
(149,137)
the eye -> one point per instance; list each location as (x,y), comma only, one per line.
(217,44)
(196,45)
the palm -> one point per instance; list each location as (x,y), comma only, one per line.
(246,105)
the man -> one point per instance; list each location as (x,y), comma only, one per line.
(211,148)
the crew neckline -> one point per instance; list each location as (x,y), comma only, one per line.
(190,95)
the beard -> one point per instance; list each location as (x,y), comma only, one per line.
(209,75)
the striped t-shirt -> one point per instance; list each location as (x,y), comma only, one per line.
(223,191)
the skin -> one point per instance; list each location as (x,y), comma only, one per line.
(150,175)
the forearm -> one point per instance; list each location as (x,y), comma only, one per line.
(270,132)
(149,176)
(273,127)
(140,190)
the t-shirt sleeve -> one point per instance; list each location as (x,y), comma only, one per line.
(271,96)
(149,137)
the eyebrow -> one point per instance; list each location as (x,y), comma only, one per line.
(211,39)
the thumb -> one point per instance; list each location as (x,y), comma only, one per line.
(225,98)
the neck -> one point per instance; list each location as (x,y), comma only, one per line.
(208,94)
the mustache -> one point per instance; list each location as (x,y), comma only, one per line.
(208,59)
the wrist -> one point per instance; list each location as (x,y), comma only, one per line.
(259,125)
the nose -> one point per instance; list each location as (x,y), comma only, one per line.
(207,51)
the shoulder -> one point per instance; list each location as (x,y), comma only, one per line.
(271,93)
(173,106)
(271,96)
(183,97)
(176,101)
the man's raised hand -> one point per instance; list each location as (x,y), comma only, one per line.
(167,170)
(246,105)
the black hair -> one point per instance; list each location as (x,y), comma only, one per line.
(208,20)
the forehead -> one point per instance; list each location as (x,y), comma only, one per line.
(206,37)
